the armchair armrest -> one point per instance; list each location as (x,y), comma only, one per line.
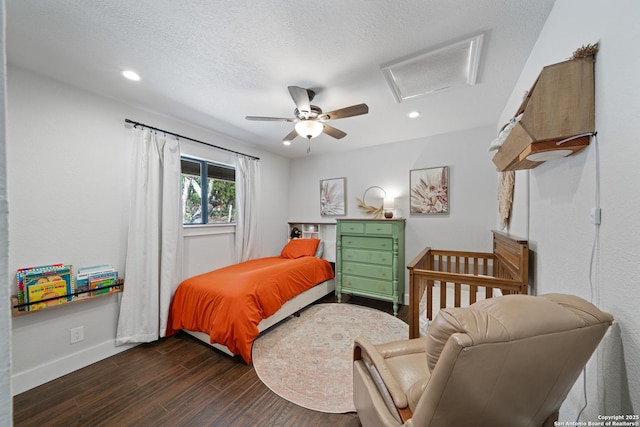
(376,355)
(400,348)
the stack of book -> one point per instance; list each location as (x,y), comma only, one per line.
(44,286)
(96,280)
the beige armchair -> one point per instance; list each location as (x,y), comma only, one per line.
(506,361)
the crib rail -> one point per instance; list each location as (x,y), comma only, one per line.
(462,276)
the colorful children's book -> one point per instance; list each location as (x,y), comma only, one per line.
(103,284)
(37,277)
(21,275)
(95,269)
(86,274)
(44,293)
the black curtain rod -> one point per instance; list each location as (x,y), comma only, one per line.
(190,139)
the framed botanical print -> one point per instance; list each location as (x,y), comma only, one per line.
(429,189)
(333,197)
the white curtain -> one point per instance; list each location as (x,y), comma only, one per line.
(154,249)
(247,190)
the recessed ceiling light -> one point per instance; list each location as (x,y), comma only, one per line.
(285,142)
(131,75)
(414,114)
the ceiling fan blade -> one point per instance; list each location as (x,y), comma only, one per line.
(270,119)
(354,110)
(331,131)
(291,136)
(300,97)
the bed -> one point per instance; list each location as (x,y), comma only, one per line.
(229,307)
(463,278)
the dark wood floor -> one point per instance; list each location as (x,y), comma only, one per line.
(176,381)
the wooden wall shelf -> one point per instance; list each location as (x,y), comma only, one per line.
(16,311)
(560,106)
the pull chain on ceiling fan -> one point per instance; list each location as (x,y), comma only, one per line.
(309,119)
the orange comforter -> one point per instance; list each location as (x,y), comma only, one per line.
(229,303)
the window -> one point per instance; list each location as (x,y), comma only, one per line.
(213,203)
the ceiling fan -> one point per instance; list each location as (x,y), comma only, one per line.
(309,119)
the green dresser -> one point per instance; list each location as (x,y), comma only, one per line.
(370,259)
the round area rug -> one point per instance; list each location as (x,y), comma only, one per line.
(308,360)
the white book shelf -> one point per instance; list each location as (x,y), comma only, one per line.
(325,231)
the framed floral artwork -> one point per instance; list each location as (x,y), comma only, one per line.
(429,190)
(332,197)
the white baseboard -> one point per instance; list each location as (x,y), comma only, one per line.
(26,380)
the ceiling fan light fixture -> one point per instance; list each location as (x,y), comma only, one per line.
(309,128)
(309,119)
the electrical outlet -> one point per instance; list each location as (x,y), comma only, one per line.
(595,216)
(76,334)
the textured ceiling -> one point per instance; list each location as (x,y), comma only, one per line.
(212,63)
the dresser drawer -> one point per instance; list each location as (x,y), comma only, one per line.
(351,227)
(373,257)
(378,228)
(368,270)
(378,243)
(367,285)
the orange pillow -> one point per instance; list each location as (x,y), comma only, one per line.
(297,248)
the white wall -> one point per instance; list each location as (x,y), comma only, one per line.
(68,170)
(562,192)
(473,187)
(6,407)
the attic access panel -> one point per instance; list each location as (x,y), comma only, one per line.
(440,69)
